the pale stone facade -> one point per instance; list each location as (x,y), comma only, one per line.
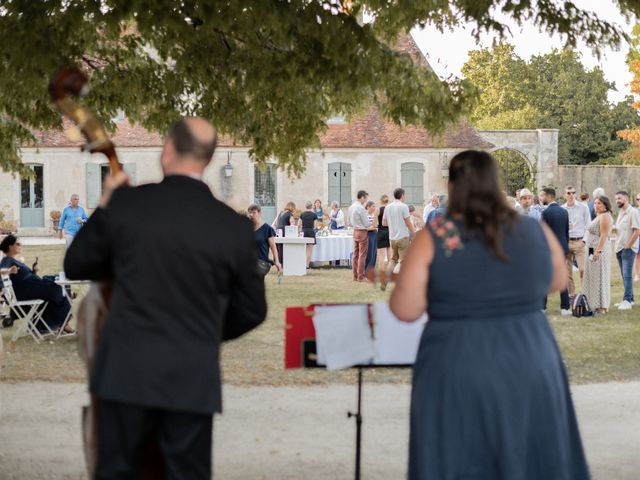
(64,172)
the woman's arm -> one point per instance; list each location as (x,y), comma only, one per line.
(408,300)
(605,225)
(560,277)
(9,271)
(274,252)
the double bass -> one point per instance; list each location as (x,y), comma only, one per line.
(65,85)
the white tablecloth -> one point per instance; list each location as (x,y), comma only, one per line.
(332,248)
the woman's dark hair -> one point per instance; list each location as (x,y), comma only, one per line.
(476,195)
(605,201)
(7,242)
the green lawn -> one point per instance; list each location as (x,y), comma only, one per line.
(605,348)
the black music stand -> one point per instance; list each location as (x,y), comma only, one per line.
(309,360)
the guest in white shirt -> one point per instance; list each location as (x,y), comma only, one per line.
(416,220)
(579,220)
(398,219)
(336,216)
(525,206)
(360,223)
(430,207)
(627,232)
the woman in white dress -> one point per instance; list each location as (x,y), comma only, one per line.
(597,273)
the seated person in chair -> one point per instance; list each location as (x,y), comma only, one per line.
(29,286)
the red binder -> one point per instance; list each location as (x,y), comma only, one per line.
(299,337)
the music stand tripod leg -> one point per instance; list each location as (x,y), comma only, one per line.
(358,417)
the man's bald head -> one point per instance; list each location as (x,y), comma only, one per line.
(193,138)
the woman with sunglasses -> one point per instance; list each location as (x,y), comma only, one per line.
(29,286)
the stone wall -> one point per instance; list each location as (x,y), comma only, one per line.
(610,177)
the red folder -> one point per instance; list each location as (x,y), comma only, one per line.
(299,337)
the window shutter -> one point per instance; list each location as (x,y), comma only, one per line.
(412,181)
(334,183)
(345,185)
(94,188)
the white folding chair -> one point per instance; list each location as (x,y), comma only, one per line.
(29,311)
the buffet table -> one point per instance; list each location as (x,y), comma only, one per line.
(333,248)
(295,255)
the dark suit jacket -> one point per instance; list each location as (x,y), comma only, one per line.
(592,210)
(184,276)
(558,220)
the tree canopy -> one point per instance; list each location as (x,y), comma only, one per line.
(632,135)
(267,73)
(553,90)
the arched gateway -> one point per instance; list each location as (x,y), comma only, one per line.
(539,147)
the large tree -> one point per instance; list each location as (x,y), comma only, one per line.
(553,90)
(266,72)
(632,133)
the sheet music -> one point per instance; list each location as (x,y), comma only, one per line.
(396,342)
(343,336)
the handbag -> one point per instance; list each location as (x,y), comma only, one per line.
(580,307)
(263,267)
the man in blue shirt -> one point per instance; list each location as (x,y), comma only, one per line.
(72,218)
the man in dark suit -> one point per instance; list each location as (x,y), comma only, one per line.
(558,220)
(178,292)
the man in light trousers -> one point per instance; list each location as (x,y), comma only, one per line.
(579,220)
(72,219)
(398,219)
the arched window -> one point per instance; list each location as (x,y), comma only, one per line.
(340,183)
(412,181)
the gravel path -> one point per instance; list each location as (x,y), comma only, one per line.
(295,432)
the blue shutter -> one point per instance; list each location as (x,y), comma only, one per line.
(94,186)
(412,181)
(345,184)
(334,183)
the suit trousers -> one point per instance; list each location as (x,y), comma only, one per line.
(565,304)
(360,248)
(124,431)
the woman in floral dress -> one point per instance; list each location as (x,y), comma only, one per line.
(596,283)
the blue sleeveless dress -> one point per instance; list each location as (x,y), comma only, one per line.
(490,398)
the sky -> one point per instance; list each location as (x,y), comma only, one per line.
(447,52)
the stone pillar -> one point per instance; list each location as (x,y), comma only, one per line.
(547,157)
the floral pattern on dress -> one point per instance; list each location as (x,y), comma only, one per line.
(448,233)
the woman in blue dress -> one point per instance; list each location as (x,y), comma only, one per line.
(318,210)
(372,236)
(29,286)
(490,397)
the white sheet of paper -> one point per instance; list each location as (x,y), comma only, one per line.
(290,231)
(343,336)
(396,342)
